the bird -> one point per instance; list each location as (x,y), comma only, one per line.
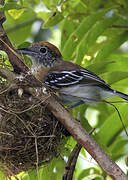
(74,84)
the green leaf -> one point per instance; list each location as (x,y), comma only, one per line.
(118,148)
(3,54)
(24,44)
(100,67)
(66,32)
(53,20)
(4,59)
(111,45)
(10,5)
(32,175)
(83,152)
(113,77)
(79,113)
(112,126)
(78,34)
(121,62)
(59,2)
(44,15)
(50,4)
(104,111)
(99,28)
(25,176)
(91,37)
(87,172)
(48,173)
(15,28)
(1,8)
(66,6)
(2,175)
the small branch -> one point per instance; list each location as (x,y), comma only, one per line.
(70,166)
(37,163)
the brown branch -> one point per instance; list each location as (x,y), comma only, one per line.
(72,125)
(70,166)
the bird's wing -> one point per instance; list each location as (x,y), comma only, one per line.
(68,78)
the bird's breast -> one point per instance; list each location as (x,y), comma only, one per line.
(40,72)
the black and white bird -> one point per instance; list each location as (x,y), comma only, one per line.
(74,84)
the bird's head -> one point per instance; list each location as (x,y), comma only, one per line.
(42,54)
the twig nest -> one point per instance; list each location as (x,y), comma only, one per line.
(29,133)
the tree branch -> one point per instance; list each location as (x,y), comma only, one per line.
(70,165)
(72,125)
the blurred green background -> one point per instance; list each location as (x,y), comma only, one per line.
(94,35)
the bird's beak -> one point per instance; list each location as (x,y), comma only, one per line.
(25,51)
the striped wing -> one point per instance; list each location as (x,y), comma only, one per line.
(68,78)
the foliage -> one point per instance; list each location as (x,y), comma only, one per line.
(94,35)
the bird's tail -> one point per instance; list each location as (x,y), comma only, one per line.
(122,95)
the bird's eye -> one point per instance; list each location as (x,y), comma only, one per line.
(43,50)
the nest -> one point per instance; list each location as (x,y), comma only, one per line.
(29,134)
